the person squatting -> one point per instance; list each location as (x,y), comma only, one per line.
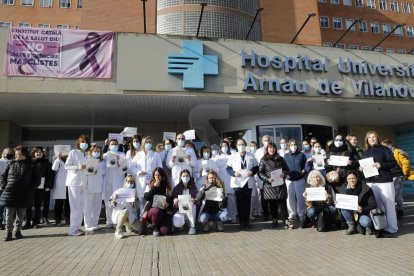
(170,187)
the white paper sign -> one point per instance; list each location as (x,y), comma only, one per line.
(116,136)
(159,201)
(111,159)
(189,134)
(276,179)
(339,161)
(42,183)
(129,132)
(123,164)
(214,194)
(169,135)
(318,162)
(367,167)
(315,194)
(91,165)
(180,155)
(349,202)
(184,204)
(124,195)
(62,149)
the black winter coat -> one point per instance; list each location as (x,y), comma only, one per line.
(43,168)
(269,164)
(385,157)
(366,198)
(18,184)
(344,150)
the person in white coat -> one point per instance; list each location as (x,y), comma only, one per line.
(116,167)
(75,180)
(204,165)
(142,166)
(134,148)
(242,166)
(180,158)
(221,162)
(60,191)
(125,211)
(266,139)
(93,189)
(283,147)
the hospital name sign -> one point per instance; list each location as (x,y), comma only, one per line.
(363,86)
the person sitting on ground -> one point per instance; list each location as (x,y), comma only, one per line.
(214,202)
(358,220)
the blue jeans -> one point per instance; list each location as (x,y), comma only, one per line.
(363,220)
(312,212)
(219,216)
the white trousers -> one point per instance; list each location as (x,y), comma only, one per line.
(76,202)
(385,197)
(231,206)
(108,212)
(295,200)
(92,209)
(180,218)
(142,202)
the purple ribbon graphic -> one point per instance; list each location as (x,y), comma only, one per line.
(90,58)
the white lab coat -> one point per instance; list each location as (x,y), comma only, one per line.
(234,162)
(59,188)
(144,162)
(132,211)
(95,182)
(221,163)
(114,177)
(177,167)
(200,171)
(75,177)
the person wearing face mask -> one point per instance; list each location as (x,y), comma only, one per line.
(60,191)
(135,147)
(125,211)
(143,166)
(341,147)
(185,187)
(42,194)
(180,158)
(168,146)
(93,190)
(264,205)
(284,148)
(353,140)
(203,166)
(213,202)
(316,156)
(6,157)
(116,167)
(221,163)
(306,149)
(76,176)
(295,183)
(242,166)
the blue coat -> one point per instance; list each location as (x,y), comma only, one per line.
(296,163)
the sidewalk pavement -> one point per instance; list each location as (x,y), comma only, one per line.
(259,251)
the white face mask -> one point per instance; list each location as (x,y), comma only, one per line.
(114,148)
(241,148)
(185,180)
(224,149)
(206,155)
(96,154)
(83,146)
(317,150)
(214,152)
(180,143)
(136,145)
(167,147)
(293,148)
(265,143)
(283,146)
(252,149)
(338,144)
(148,146)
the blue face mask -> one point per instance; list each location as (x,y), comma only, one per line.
(168,147)
(96,154)
(114,148)
(83,146)
(136,145)
(206,155)
(306,147)
(148,146)
(185,180)
(130,185)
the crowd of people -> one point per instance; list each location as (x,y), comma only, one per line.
(173,186)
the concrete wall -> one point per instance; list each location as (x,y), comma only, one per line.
(360,131)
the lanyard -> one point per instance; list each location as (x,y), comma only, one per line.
(243,162)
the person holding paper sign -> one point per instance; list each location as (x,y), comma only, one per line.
(317,160)
(76,176)
(159,217)
(275,195)
(214,202)
(168,146)
(143,165)
(125,211)
(180,158)
(203,166)
(60,191)
(242,166)
(93,189)
(295,182)
(319,212)
(358,220)
(382,185)
(187,188)
(116,167)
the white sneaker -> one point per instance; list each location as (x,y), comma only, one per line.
(77,233)
(93,228)
(110,225)
(192,231)
(118,233)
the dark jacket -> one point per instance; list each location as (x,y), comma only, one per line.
(179,189)
(269,164)
(18,183)
(210,206)
(366,198)
(385,157)
(320,205)
(43,168)
(344,150)
(161,190)
(296,164)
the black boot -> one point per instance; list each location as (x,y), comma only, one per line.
(27,225)
(18,235)
(8,236)
(400,214)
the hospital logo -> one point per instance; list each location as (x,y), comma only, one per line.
(193,64)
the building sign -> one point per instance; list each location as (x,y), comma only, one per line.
(193,64)
(58,53)
(303,64)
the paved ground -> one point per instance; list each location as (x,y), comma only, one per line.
(260,251)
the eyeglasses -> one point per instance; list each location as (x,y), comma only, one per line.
(338,140)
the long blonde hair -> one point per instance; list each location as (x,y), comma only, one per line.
(219,182)
(368,134)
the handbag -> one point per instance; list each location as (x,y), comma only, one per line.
(269,192)
(379,219)
(322,223)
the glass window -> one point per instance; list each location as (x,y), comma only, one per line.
(327,44)
(41,25)
(5,24)
(348,2)
(77,27)
(337,23)
(394,6)
(46,3)
(365,48)
(25,25)
(64,3)
(353,47)
(375,28)
(382,4)
(363,27)
(405,7)
(348,22)
(335,1)
(340,45)
(322,1)
(27,2)
(378,49)
(386,28)
(371,4)
(401,51)
(398,31)
(79,4)
(60,26)
(277,132)
(389,50)
(359,3)
(8,2)
(410,31)
(324,21)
